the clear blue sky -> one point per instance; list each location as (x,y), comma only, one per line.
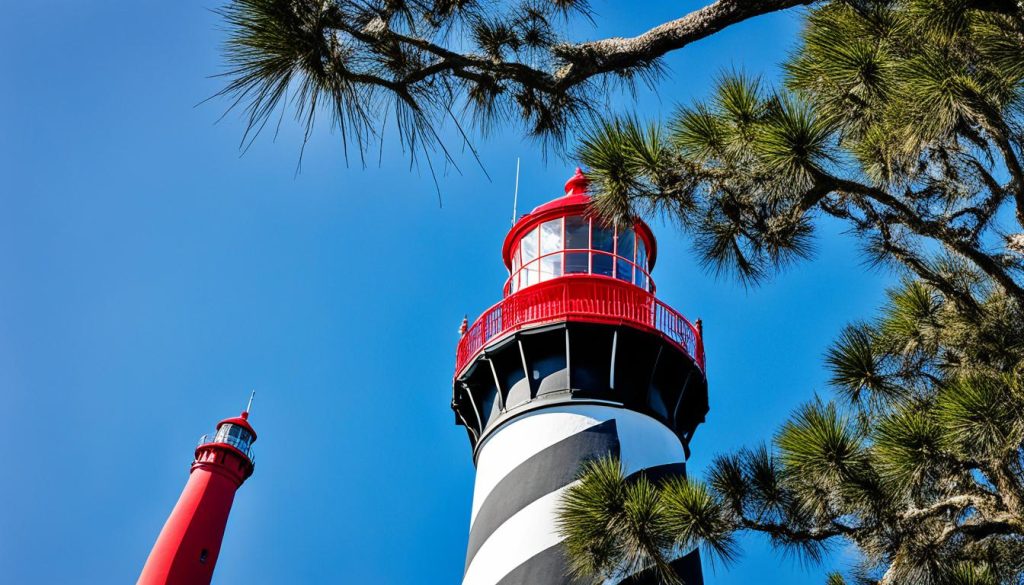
(150,277)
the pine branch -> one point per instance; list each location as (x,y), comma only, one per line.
(939,231)
(818,533)
(345,54)
(586,60)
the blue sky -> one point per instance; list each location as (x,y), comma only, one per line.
(150,276)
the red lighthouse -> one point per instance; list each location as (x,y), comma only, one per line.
(186,551)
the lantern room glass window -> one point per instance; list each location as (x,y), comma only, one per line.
(624,254)
(577,233)
(578,245)
(234,435)
(530,274)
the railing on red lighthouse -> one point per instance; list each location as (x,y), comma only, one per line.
(580,298)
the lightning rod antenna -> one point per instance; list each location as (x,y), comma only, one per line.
(515,196)
(248,407)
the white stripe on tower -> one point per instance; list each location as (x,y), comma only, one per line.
(523,469)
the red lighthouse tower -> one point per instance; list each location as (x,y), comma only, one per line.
(186,551)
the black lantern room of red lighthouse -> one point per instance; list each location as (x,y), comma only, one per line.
(579,360)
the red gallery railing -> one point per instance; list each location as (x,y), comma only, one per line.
(579,298)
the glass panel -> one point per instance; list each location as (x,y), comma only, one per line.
(625,244)
(550,267)
(576,262)
(234,435)
(222,433)
(516,263)
(641,279)
(529,275)
(602,264)
(550,236)
(577,233)
(240,437)
(529,246)
(623,270)
(641,255)
(604,238)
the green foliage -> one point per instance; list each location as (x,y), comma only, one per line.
(916,463)
(591,510)
(697,518)
(367,63)
(981,416)
(907,450)
(911,320)
(858,371)
(901,118)
(624,525)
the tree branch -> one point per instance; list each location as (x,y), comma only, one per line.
(817,533)
(953,503)
(873,220)
(937,231)
(586,60)
(582,61)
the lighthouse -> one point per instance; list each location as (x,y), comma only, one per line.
(186,551)
(579,360)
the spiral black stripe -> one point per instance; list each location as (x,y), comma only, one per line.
(659,473)
(552,468)
(548,567)
(686,567)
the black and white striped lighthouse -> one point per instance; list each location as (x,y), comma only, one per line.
(578,361)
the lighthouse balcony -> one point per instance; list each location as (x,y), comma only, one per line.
(580,339)
(580,298)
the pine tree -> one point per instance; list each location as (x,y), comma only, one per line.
(901,119)
(916,461)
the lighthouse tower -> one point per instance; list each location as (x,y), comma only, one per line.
(186,550)
(578,361)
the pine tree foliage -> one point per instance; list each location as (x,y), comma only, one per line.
(916,463)
(616,527)
(900,118)
(422,64)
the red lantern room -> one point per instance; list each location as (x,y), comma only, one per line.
(560,238)
(579,321)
